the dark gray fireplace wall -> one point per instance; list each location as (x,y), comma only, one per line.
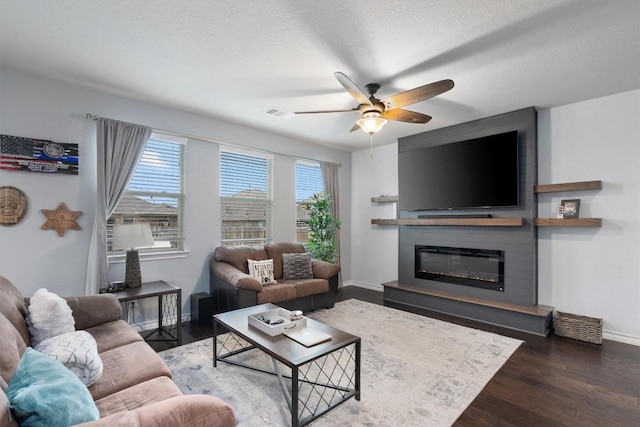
(519,243)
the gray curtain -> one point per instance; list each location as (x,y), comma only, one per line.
(330,181)
(120,146)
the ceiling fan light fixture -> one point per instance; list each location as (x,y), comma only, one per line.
(371,122)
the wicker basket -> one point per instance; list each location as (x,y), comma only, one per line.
(578,327)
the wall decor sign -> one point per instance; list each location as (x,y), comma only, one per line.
(38,155)
(61,219)
(13,205)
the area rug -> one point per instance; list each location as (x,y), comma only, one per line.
(416,371)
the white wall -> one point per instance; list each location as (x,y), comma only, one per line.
(374,248)
(593,271)
(38,107)
(588,271)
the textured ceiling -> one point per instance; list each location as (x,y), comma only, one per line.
(235,59)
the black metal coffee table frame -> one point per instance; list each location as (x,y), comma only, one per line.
(329,371)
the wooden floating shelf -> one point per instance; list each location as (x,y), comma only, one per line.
(384,199)
(477,222)
(569,186)
(380,221)
(568,222)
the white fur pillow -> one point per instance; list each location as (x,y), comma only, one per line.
(49,315)
(78,351)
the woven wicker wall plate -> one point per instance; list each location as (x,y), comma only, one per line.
(13,205)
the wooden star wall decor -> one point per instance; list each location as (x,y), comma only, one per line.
(61,219)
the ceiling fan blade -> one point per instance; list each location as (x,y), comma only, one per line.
(355,127)
(401,115)
(326,111)
(353,89)
(417,94)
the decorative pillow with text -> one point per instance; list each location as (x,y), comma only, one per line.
(262,271)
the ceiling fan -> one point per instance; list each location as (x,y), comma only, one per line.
(376,112)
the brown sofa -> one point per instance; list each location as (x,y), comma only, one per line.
(232,287)
(135,388)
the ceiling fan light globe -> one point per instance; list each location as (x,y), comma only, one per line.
(371,122)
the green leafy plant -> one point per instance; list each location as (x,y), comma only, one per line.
(322,228)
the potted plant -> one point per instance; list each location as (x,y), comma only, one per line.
(322,228)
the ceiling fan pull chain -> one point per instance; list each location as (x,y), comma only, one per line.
(371,145)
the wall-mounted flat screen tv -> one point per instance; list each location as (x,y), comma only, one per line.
(475,173)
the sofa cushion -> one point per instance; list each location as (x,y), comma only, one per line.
(93,310)
(276,293)
(238,255)
(45,393)
(6,417)
(126,366)
(13,346)
(49,315)
(275,251)
(113,334)
(78,352)
(296,266)
(308,287)
(154,390)
(13,307)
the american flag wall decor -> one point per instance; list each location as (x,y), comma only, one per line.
(38,155)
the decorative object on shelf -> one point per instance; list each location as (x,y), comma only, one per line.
(322,228)
(570,208)
(13,205)
(18,153)
(130,237)
(560,212)
(61,219)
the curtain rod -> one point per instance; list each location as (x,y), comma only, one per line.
(95,117)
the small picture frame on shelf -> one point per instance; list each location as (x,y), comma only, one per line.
(559,212)
(570,208)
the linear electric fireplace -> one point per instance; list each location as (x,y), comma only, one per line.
(480,268)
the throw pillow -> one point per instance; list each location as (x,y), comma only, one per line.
(296,266)
(45,393)
(49,315)
(78,351)
(262,271)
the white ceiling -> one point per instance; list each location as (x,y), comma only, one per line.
(235,59)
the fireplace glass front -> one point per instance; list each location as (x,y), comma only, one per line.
(480,268)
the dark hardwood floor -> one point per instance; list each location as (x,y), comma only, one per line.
(548,381)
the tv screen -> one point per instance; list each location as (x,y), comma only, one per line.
(476,173)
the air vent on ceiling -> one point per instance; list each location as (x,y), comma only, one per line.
(278,113)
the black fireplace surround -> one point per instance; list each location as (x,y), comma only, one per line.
(480,268)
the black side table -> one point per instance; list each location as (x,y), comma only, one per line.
(169,309)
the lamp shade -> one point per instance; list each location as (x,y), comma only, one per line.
(132,236)
(371,122)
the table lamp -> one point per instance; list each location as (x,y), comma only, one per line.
(130,237)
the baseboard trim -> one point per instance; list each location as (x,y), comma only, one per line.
(623,338)
(370,286)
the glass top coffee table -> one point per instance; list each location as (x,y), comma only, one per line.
(322,376)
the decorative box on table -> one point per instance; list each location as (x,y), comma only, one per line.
(258,320)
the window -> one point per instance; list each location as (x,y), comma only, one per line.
(155,195)
(308,182)
(245,198)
